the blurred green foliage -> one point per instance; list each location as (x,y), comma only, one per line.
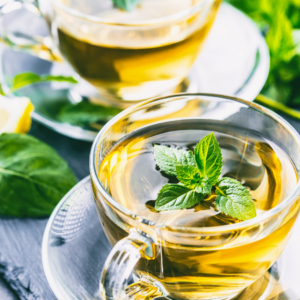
(279,21)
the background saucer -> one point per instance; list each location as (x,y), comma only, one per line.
(75,248)
(234,61)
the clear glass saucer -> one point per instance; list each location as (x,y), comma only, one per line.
(234,61)
(75,248)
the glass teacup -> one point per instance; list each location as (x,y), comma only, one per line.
(171,261)
(126,56)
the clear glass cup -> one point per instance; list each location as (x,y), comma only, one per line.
(126,56)
(177,262)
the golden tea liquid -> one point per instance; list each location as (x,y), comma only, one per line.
(135,62)
(201,267)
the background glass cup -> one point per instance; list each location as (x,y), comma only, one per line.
(172,262)
(126,56)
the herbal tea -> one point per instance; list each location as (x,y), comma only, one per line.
(140,61)
(131,175)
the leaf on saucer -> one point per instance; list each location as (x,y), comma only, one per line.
(85,113)
(23,79)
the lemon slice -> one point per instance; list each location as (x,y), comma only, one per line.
(15,114)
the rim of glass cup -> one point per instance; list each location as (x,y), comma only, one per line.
(155,21)
(224,228)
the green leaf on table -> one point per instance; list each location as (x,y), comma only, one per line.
(85,113)
(33,177)
(168,158)
(126,4)
(175,197)
(234,199)
(208,157)
(23,79)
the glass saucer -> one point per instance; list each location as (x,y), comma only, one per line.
(234,61)
(75,248)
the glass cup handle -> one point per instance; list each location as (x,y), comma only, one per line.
(39,46)
(118,268)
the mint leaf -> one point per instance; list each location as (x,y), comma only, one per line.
(23,79)
(204,187)
(168,158)
(85,113)
(126,4)
(33,177)
(175,196)
(188,175)
(59,78)
(234,199)
(208,157)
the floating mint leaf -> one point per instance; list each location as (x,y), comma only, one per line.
(234,199)
(126,4)
(208,157)
(204,187)
(175,196)
(168,158)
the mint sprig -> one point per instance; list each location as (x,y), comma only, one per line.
(198,173)
(127,5)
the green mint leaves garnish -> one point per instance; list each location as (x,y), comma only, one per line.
(126,4)
(197,175)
